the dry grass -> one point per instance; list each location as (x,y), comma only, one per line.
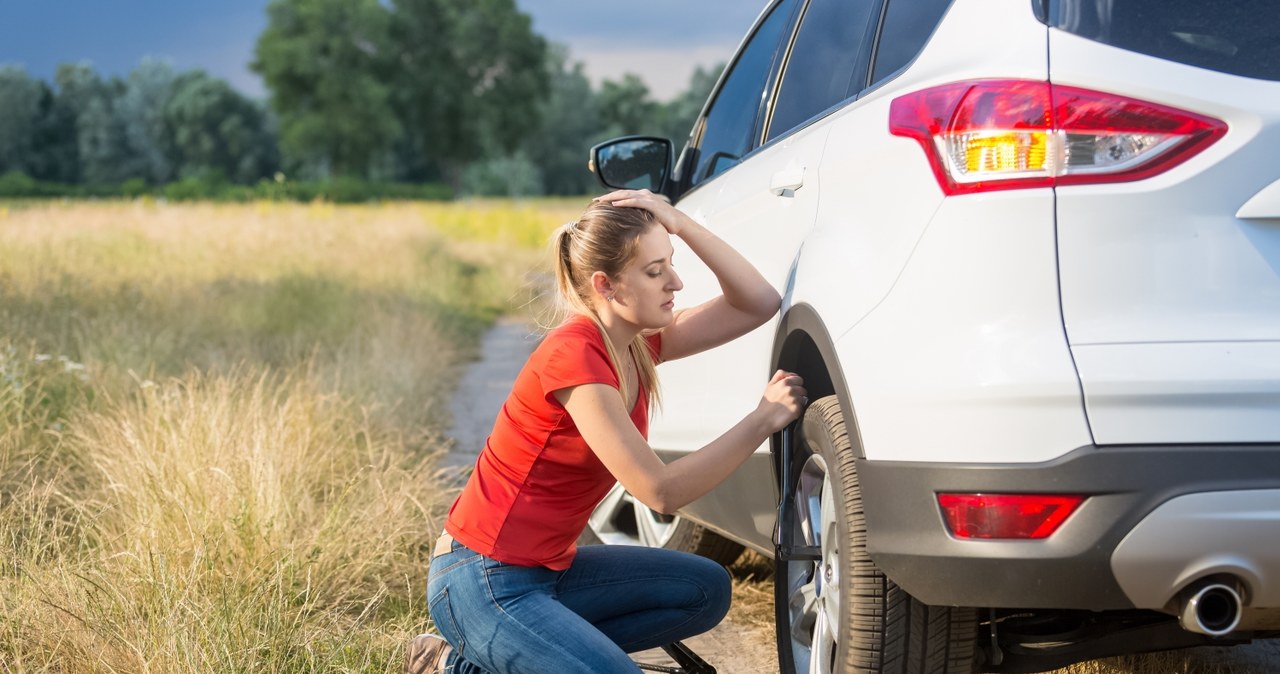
(1260,657)
(752,576)
(215,523)
(217,425)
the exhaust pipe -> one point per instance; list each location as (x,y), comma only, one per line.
(1210,607)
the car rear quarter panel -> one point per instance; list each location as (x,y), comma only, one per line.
(944,311)
(1171,299)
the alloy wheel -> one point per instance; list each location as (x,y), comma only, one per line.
(813,587)
(621,519)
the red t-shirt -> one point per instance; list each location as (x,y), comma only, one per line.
(536,481)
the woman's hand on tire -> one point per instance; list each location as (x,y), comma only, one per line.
(783,401)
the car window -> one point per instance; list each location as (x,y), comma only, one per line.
(730,123)
(906,27)
(1237,37)
(826,57)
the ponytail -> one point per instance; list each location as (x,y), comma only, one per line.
(604,239)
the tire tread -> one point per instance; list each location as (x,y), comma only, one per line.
(884,630)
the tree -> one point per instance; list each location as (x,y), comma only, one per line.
(20,98)
(575,117)
(142,111)
(102,153)
(508,176)
(570,125)
(56,151)
(470,75)
(217,132)
(327,65)
(626,109)
(679,113)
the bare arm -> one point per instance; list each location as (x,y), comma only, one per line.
(598,412)
(748,300)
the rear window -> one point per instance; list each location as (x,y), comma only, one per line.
(1230,36)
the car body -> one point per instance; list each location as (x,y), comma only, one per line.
(1030,259)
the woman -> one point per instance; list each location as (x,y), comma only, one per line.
(508,589)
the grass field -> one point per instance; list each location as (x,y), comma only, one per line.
(217,424)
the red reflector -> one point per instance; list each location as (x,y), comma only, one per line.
(984,135)
(1021,516)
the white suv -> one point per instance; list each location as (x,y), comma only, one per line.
(1030,258)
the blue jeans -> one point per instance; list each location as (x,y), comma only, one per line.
(506,619)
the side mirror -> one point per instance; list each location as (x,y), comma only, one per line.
(634,162)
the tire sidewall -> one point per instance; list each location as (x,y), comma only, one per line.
(819,433)
(819,437)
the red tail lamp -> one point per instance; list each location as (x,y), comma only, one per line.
(1006,516)
(985,135)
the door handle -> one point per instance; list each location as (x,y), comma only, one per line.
(785,182)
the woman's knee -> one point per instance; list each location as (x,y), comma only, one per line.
(713,581)
(711,573)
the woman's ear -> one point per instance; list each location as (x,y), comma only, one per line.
(602,286)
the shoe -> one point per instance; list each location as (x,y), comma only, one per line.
(427,654)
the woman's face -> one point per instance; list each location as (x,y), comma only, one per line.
(645,290)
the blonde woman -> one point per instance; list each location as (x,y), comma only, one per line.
(508,589)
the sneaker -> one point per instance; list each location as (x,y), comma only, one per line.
(427,654)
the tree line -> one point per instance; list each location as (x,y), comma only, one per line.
(411,98)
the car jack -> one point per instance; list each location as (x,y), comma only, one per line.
(688,661)
(786,549)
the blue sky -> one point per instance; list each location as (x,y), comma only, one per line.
(662,43)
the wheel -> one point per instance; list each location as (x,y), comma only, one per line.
(622,520)
(841,614)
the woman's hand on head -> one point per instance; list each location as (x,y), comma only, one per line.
(783,401)
(668,216)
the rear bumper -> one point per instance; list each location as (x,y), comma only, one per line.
(1073,568)
(1229,534)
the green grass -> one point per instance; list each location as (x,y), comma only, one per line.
(218,424)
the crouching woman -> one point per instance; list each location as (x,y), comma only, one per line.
(508,589)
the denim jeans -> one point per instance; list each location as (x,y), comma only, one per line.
(506,619)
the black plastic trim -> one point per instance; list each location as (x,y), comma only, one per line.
(802,324)
(908,540)
(1041,10)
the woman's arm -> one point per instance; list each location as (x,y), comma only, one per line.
(748,300)
(598,412)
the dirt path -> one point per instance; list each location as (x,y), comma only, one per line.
(484,386)
(731,648)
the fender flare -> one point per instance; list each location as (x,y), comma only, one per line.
(803,345)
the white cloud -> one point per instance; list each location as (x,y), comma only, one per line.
(662,41)
(666,70)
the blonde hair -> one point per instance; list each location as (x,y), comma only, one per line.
(604,239)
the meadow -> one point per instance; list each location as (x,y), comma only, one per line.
(218,424)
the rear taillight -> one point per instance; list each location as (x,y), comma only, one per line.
(985,135)
(1015,516)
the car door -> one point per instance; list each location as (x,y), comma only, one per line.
(758,188)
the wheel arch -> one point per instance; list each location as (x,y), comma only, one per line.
(803,345)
